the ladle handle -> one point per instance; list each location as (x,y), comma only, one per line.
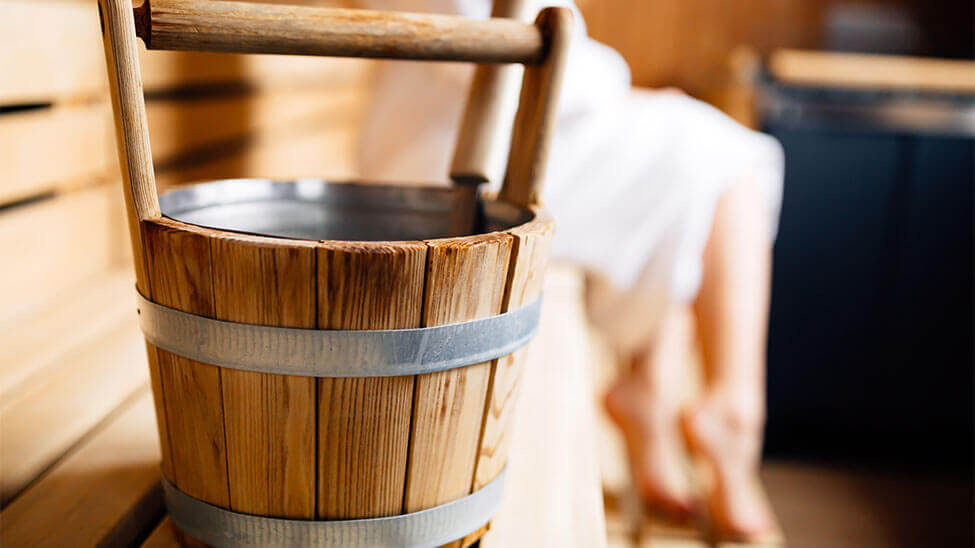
(262,28)
(482,113)
(538,103)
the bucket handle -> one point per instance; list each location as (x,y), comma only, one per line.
(238,27)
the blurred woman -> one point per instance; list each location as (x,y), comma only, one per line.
(670,201)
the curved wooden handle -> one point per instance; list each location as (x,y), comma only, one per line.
(240,27)
(131,126)
(531,136)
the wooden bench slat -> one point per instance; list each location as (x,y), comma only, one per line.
(551,499)
(42,423)
(166,535)
(53,148)
(30,345)
(106,493)
(50,246)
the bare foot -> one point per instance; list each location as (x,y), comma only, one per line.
(729,440)
(654,446)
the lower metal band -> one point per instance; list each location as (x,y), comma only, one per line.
(433,527)
(336,353)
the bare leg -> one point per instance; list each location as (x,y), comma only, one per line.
(645,404)
(731,309)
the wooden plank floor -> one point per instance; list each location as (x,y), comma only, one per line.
(815,504)
(847,507)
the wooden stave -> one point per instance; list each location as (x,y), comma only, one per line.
(480,470)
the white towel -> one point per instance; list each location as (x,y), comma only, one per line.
(633,177)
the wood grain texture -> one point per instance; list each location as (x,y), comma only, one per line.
(465,280)
(270,420)
(322,145)
(54,51)
(187,129)
(50,246)
(159,401)
(43,421)
(104,494)
(131,126)
(175,71)
(27,349)
(470,539)
(526,273)
(239,27)
(48,149)
(59,56)
(535,119)
(480,122)
(474,147)
(364,424)
(179,263)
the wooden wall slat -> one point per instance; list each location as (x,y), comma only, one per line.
(59,55)
(366,286)
(687,43)
(326,151)
(30,345)
(56,51)
(50,246)
(104,494)
(168,70)
(54,149)
(465,280)
(180,127)
(69,147)
(270,420)
(40,424)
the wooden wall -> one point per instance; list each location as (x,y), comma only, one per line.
(687,43)
(71,355)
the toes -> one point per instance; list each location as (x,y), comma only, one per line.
(736,505)
(673,508)
(747,514)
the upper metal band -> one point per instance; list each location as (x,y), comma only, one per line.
(433,527)
(336,353)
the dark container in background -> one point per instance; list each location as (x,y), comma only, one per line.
(871,327)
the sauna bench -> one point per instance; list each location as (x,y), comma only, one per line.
(80,452)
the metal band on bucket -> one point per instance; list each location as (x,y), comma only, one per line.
(336,353)
(432,527)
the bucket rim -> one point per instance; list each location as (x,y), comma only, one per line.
(426,199)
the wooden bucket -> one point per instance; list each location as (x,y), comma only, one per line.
(300,334)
